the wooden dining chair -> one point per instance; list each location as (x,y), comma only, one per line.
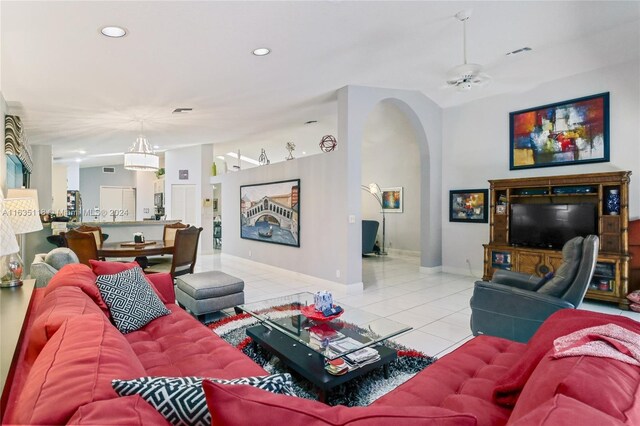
(168,235)
(185,253)
(96,231)
(83,244)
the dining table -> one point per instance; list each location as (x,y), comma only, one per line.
(138,250)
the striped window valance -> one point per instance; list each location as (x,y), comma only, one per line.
(15,141)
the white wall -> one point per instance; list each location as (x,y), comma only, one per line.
(144,194)
(59,189)
(323,217)
(476,149)
(73,177)
(41,175)
(3,157)
(197,160)
(391,158)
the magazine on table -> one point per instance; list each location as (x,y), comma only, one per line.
(359,357)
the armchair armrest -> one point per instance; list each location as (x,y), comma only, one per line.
(510,312)
(42,272)
(515,301)
(164,284)
(516,279)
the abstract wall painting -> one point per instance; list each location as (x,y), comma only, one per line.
(392,200)
(270,212)
(468,205)
(565,133)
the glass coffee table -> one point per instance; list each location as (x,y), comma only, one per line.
(314,347)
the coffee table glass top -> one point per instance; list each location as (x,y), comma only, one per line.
(348,334)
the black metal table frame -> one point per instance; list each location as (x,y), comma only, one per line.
(309,363)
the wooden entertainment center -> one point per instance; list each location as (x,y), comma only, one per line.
(611,278)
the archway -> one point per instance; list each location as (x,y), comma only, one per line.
(391,159)
(425,116)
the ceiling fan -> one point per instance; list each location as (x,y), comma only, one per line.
(466,76)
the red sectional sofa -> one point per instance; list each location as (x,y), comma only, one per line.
(71,352)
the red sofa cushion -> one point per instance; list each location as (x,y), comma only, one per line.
(563,322)
(612,390)
(178,345)
(126,410)
(52,312)
(562,410)
(75,368)
(78,275)
(101,267)
(235,405)
(462,381)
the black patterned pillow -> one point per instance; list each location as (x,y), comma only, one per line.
(181,400)
(130,299)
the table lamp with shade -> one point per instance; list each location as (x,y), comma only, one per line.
(21,209)
(8,251)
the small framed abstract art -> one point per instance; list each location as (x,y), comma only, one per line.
(468,205)
(392,200)
(564,133)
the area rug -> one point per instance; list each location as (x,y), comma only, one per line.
(361,391)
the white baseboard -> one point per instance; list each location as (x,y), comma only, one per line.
(459,271)
(431,269)
(353,288)
(402,252)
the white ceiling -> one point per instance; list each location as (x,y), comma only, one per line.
(80,91)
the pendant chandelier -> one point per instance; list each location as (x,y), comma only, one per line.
(141,157)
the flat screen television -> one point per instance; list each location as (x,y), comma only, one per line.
(551,225)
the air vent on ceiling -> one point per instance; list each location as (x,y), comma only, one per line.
(515,52)
(108,170)
(182,110)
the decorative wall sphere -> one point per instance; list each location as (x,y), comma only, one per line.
(328,143)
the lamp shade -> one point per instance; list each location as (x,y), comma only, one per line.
(141,157)
(8,242)
(24,193)
(23,214)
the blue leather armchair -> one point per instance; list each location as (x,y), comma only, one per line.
(513,305)
(369,234)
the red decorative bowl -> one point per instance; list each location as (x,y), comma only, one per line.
(311,313)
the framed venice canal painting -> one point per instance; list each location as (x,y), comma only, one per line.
(270,212)
(570,132)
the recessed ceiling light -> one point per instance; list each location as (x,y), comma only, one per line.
(221,157)
(113,31)
(78,160)
(261,51)
(156,146)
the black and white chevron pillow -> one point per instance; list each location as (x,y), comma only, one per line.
(181,400)
(130,299)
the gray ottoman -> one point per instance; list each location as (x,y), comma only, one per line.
(207,292)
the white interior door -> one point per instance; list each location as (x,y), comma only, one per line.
(117,204)
(183,203)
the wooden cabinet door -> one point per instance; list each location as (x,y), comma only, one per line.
(530,262)
(554,261)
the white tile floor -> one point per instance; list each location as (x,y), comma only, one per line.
(435,305)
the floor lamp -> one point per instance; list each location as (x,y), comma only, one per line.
(8,250)
(374,189)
